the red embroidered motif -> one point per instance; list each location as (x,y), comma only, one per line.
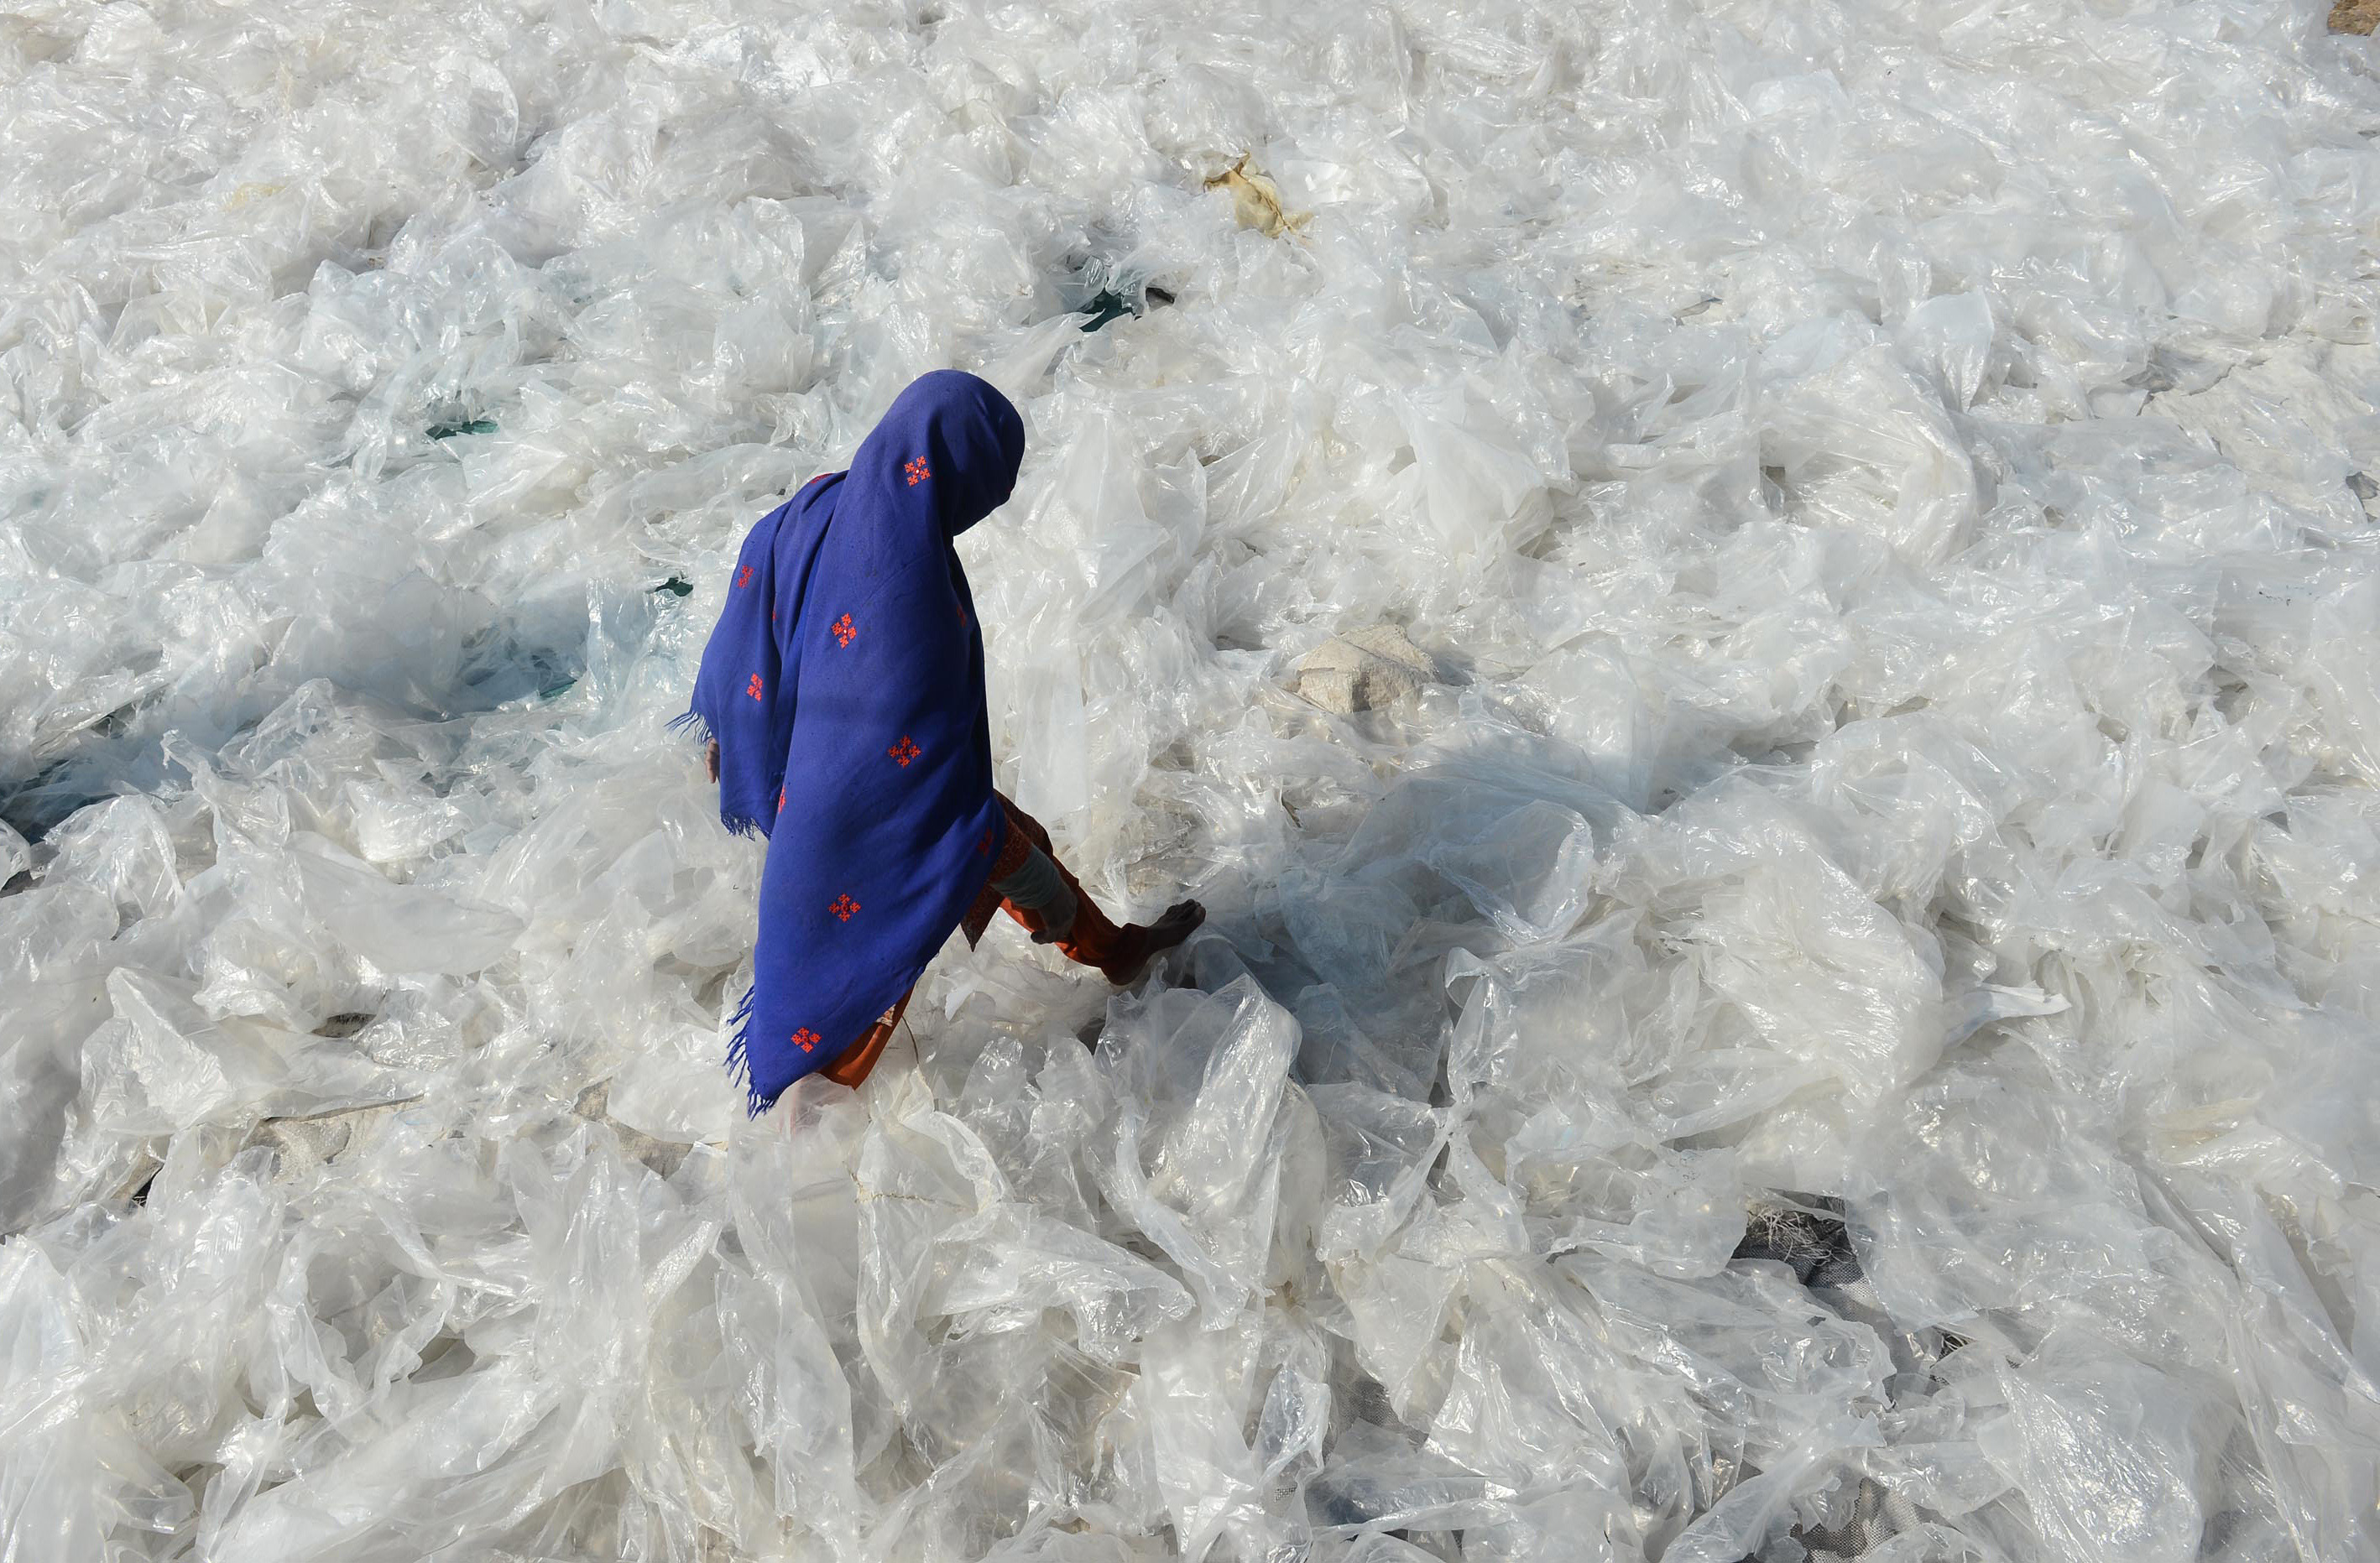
(844,630)
(753,688)
(962,608)
(918,471)
(904,751)
(744,576)
(844,907)
(780,800)
(983,844)
(806,1040)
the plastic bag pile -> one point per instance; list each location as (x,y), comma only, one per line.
(1758,621)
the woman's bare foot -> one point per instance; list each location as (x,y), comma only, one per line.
(1146,942)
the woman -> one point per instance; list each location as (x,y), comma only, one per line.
(842,694)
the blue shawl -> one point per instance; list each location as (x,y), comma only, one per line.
(845,686)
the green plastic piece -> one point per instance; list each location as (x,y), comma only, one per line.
(1108,305)
(1105,305)
(676,587)
(448,431)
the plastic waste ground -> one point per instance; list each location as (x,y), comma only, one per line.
(1812,993)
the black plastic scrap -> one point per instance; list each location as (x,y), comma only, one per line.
(1805,1233)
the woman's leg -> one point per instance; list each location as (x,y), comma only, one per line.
(1120,952)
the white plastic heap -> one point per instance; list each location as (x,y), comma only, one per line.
(1757,620)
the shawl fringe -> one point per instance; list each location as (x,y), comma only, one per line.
(739,1058)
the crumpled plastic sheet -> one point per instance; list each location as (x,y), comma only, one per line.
(1841,1022)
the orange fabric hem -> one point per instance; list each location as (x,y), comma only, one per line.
(853,1065)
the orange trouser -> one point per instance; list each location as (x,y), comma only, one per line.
(1119,952)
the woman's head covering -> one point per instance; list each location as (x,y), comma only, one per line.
(845,686)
